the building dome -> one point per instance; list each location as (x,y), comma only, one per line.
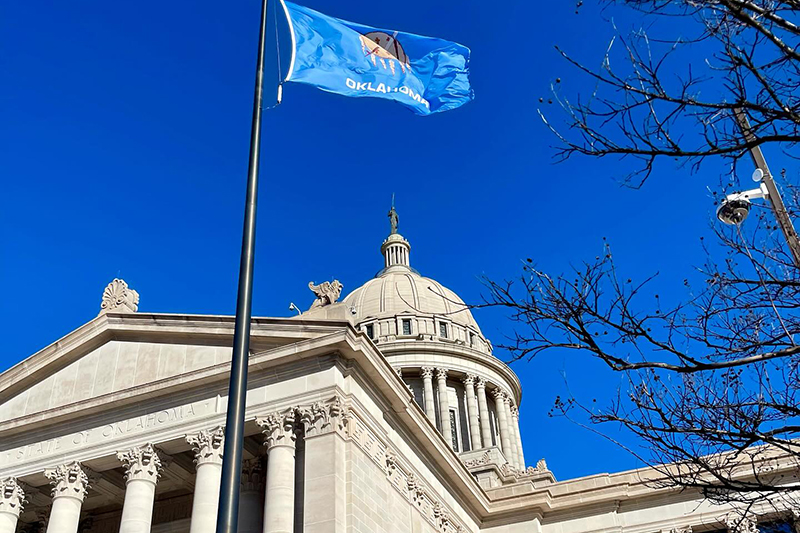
(430,338)
(399,304)
(399,293)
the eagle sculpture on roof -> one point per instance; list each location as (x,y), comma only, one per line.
(327,293)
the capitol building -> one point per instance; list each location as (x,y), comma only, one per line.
(381,411)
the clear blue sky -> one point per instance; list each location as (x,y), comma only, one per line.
(124,131)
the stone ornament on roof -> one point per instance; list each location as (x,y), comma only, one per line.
(327,293)
(118,297)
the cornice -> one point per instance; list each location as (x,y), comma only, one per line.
(154,327)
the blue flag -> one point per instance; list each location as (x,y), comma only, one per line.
(428,75)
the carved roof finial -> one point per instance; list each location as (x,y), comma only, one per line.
(118,297)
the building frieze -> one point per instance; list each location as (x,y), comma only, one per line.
(142,427)
(402,476)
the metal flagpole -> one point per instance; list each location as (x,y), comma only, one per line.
(228,510)
(773,195)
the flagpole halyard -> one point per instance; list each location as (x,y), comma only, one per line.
(228,510)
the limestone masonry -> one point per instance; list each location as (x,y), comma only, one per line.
(385,412)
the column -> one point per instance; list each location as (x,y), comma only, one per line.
(70,483)
(483,412)
(518,436)
(251,497)
(12,498)
(512,441)
(513,457)
(142,468)
(505,442)
(472,412)
(280,432)
(427,381)
(207,446)
(444,406)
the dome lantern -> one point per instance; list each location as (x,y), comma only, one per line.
(395,250)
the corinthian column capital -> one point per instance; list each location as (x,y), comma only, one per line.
(426,372)
(279,428)
(207,445)
(324,417)
(68,480)
(469,380)
(441,373)
(141,462)
(499,395)
(12,496)
(740,523)
(480,383)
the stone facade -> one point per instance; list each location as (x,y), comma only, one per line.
(377,414)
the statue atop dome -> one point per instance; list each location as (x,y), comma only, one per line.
(394,218)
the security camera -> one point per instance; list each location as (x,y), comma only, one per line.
(735,207)
(733,211)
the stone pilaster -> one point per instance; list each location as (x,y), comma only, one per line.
(324,489)
(12,500)
(280,432)
(483,412)
(444,406)
(251,502)
(40,521)
(517,437)
(207,446)
(70,484)
(427,383)
(142,469)
(472,412)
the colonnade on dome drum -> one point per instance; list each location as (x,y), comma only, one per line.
(469,410)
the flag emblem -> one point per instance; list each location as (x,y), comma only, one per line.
(380,46)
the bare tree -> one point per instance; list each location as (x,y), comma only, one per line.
(673,96)
(712,375)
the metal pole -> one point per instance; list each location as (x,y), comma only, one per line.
(773,195)
(228,510)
